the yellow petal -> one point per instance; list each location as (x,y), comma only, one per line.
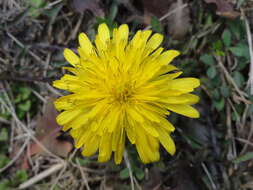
(67,116)
(166,141)
(91,146)
(184,84)
(71,57)
(105,148)
(185,110)
(112,119)
(76,133)
(145,151)
(164,123)
(148,114)
(66,127)
(146,34)
(182,99)
(116,138)
(150,129)
(166,57)
(121,147)
(165,69)
(82,138)
(103,33)
(79,121)
(85,43)
(130,133)
(123,32)
(135,115)
(154,42)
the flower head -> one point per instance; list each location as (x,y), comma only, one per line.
(120,89)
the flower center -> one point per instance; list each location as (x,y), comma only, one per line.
(122,93)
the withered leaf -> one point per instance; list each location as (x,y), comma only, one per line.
(179,22)
(81,6)
(47,133)
(224,8)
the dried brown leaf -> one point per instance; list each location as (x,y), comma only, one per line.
(185,177)
(156,7)
(47,132)
(224,8)
(81,6)
(179,22)
(155,180)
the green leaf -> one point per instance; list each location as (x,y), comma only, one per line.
(239,79)
(211,72)
(4,134)
(156,25)
(207,59)
(35,7)
(219,105)
(243,158)
(113,10)
(226,38)
(3,160)
(240,50)
(250,111)
(237,28)
(192,142)
(215,94)
(225,91)
(37,3)
(20,176)
(5,184)
(84,162)
(25,106)
(217,45)
(18,98)
(240,3)
(124,174)
(25,92)
(53,12)
(139,173)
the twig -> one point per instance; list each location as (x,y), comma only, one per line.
(23,46)
(3,120)
(130,170)
(6,76)
(12,111)
(16,156)
(169,13)
(137,184)
(50,5)
(231,149)
(230,79)
(250,133)
(244,141)
(83,175)
(75,31)
(208,175)
(53,90)
(250,81)
(42,175)
(39,96)
(59,176)
(47,64)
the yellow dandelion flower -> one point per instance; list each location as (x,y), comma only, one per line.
(121,88)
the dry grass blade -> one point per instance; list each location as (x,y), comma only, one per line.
(249,37)
(42,175)
(168,14)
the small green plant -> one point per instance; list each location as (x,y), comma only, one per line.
(24,100)
(19,177)
(232,43)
